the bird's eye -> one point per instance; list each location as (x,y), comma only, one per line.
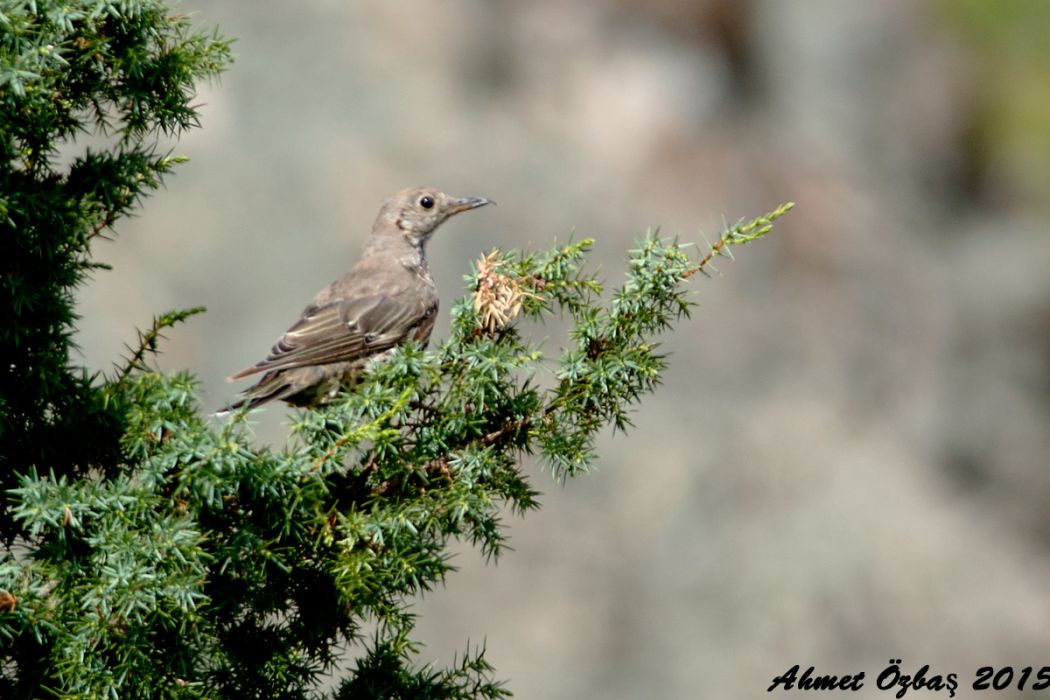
(426,202)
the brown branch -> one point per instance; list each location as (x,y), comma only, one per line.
(111,218)
(715,250)
(343,439)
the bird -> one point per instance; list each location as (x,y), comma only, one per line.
(386,299)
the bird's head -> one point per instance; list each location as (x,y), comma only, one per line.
(418,211)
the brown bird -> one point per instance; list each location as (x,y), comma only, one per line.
(386,299)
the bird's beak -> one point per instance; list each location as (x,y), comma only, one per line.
(465,203)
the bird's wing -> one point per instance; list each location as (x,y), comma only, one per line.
(341,331)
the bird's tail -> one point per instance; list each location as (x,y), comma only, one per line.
(274,386)
(298,386)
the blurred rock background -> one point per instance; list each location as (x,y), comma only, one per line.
(848,461)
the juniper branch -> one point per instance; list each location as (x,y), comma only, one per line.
(740,234)
(148,340)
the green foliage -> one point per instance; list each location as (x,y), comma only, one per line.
(122,70)
(153,552)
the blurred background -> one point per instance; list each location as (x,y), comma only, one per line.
(848,461)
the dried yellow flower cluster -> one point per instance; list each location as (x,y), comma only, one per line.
(497,299)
